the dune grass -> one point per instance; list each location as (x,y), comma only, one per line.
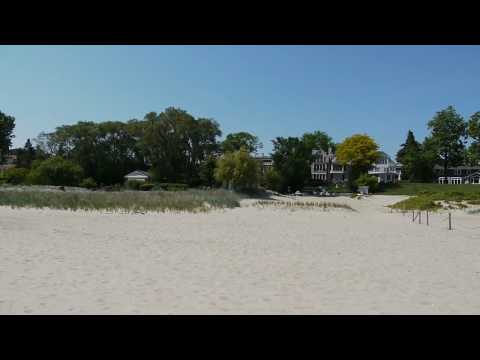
(300,205)
(127,201)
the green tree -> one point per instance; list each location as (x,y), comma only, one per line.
(318,140)
(291,159)
(175,143)
(55,171)
(7,124)
(410,156)
(238,170)
(473,130)
(207,171)
(236,141)
(448,132)
(410,145)
(357,152)
(273,180)
(105,151)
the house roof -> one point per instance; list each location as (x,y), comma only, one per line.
(138,173)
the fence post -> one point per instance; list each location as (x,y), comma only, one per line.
(449,221)
(427,217)
(413,215)
(420,217)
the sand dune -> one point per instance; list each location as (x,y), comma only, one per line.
(241,261)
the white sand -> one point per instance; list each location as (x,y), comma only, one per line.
(240,261)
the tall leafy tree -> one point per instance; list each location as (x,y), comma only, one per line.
(238,170)
(7,124)
(176,144)
(236,141)
(318,140)
(291,160)
(473,130)
(448,134)
(357,152)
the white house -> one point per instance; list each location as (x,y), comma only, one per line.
(137,175)
(324,163)
(386,169)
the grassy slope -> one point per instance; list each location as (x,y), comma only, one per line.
(425,196)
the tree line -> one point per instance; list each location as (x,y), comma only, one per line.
(176,147)
(453,141)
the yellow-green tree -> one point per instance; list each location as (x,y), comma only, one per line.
(238,170)
(357,152)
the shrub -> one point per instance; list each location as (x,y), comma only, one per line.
(368,180)
(55,171)
(88,183)
(133,184)
(16,175)
(146,187)
(173,186)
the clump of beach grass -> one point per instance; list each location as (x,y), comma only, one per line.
(305,205)
(127,201)
(416,203)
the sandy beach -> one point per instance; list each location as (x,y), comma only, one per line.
(247,260)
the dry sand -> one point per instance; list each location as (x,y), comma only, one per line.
(241,261)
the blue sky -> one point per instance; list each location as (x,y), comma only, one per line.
(267,90)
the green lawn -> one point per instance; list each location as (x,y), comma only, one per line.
(405,188)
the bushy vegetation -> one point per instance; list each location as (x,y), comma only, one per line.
(171,187)
(417,203)
(238,170)
(15,175)
(88,183)
(368,180)
(146,186)
(272,180)
(191,200)
(133,184)
(55,171)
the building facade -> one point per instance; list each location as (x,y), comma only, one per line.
(458,174)
(325,167)
(266,163)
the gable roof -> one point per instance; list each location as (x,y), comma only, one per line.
(137,173)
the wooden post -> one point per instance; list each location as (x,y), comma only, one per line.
(413,215)
(419,217)
(427,217)
(449,221)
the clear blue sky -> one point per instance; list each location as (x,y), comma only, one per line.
(267,90)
